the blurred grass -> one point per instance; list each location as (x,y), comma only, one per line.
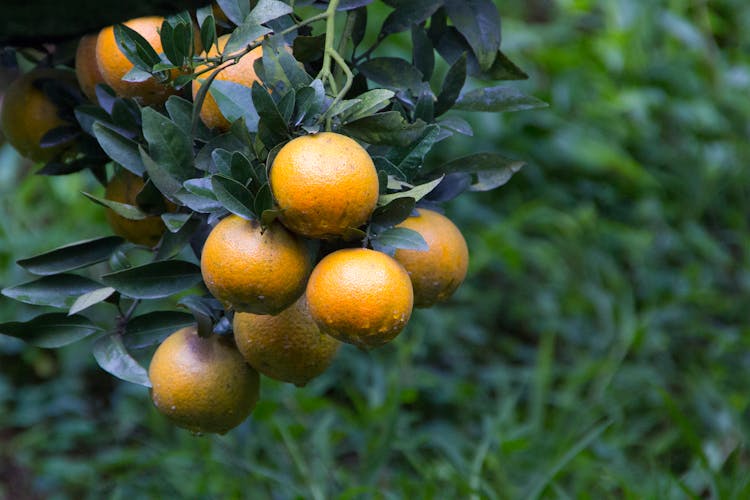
(599,348)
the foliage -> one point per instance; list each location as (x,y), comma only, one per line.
(598,348)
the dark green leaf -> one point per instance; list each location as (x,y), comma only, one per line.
(412,157)
(479,22)
(111,355)
(386,128)
(73,256)
(452,85)
(308,48)
(491,169)
(394,212)
(203,314)
(366,104)
(181,112)
(235,10)
(417,192)
(173,243)
(408,14)
(269,113)
(497,100)
(503,69)
(392,72)
(199,196)
(208,27)
(268,10)
(399,237)
(135,47)
(58,290)
(456,124)
(423,54)
(123,209)
(91,298)
(174,221)
(360,26)
(451,186)
(282,72)
(235,101)
(154,280)
(234,196)
(244,36)
(58,136)
(160,176)
(153,327)
(50,331)
(121,149)
(169,146)
(88,114)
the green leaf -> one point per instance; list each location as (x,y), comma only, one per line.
(198,195)
(408,14)
(269,114)
(135,47)
(479,22)
(389,128)
(417,192)
(234,196)
(281,70)
(173,243)
(154,280)
(497,100)
(123,209)
(503,69)
(169,146)
(490,169)
(366,104)
(160,176)
(452,85)
(206,21)
(268,10)
(456,124)
(398,237)
(235,101)
(423,53)
(72,256)
(57,290)
(235,10)
(175,221)
(118,147)
(412,157)
(308,48)
(203,314)
(181,112)
(392,72)
(394,212)
(91,298)
(50,331)
(88,114)
(153,327)
(245,35)
(111,355)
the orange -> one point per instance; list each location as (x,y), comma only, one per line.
(202,384)
(287,347)
(255,270)
(123,188)
(360,296)
(437,272)
(324,184)
(113,64)
(87,69)
(28,114)
(242,73)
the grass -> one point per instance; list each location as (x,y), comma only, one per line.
(598,349)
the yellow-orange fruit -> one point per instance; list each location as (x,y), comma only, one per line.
(114,65)
(202,384)
(123,188)
(28,114)
(242,73)
(435,273)
(324,184)
(87,69)
(255,271)
(288,346)
(360,296)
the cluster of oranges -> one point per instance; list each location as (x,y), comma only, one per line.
(292,309)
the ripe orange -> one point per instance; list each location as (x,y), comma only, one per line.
(28,113)
(287,347)
(87,69)
(324,184)
(242,73)
(360,296)
(123,187)
(261,272)
(437,272)
(113,64)
(202,384)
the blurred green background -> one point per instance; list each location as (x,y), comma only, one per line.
(600,347)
